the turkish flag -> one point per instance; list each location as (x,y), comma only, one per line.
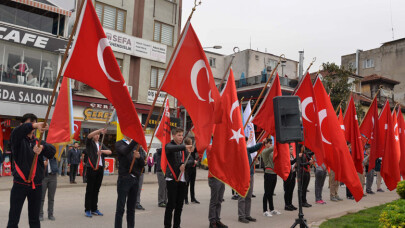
(369,128)
(401,133)
(340,120)
(92,62)
(390,161)
(310,119)
(227,160)
(337,155)
(352,134)
(190,80)
(383,119)
(264,118)
(61,129)
(163,134)
(77,126)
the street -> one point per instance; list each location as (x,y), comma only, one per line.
(69,205)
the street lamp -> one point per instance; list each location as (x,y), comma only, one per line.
(214,47)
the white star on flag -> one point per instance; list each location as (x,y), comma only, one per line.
(236,135)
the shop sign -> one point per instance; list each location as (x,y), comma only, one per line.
(25,95)
(31,39)
(121,42)
(153,121)
(102,106)
(152,94)
(91,114)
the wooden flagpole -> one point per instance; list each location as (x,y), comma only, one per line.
(107,122)
(163,79)
(261,93)
(299,83)
(65,55)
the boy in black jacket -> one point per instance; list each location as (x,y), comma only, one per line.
(176,154)
(23,148)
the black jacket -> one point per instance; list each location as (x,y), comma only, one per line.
(194,157)
(125,155)
(156,158)
(74,156)
(91,152)
(176,156)
(23,153)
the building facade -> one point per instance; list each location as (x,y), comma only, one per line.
(386,61)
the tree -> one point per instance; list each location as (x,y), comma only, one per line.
(337,84)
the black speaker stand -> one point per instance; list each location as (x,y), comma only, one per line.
(300,220)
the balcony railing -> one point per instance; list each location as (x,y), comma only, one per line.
(261,79)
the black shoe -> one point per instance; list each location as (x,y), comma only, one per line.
(213,225)
(51,217)
(139,207)
(243,220)
(195,201)
(162,205)
(186,202)
(288,208)
(222,200)
(294,207)
(221,225)
(235,197)
(306,205)
(41,218)
(253,196)
(370,192)
(250,219)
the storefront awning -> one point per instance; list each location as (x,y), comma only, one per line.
(44,6)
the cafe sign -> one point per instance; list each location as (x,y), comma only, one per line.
(96,115)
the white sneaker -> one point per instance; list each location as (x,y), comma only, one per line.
(275,212)
(267,214)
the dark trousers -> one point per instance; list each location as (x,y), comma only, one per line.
(270,181)
(127,187)
(176,192)
(305,182)
(149,169)
(49,183)
(73,172)
(84,173)
(348,193)
(94,180)
(17,197)
(192,173)
(217,195)
(289,186)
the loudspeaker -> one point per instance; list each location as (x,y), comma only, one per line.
(288,121)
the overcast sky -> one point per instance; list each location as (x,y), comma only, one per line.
(324,29)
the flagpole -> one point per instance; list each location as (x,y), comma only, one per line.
(241,100)
(102,138)
(34,161)
(261,93)
(226,72)
(299,83)
(163,79)
(312,62)
(261,134)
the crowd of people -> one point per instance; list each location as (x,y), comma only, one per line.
(173,185)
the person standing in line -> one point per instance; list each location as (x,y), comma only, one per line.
(94,174)
(270,179)
(245,204)
(217,196)
(127,183)
(176,153)
(24,146)
(162,191)
(49,183)
(289,184)
(369,173)
(305,169)
(73,158)
(320,176)
(192,174)
(377,170)
(63,162)
(138,205)
(150,163)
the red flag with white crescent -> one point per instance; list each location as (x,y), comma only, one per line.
(310,119)
(401,134)
(228,158)
(92,62)
(352,134)
(369,128)
(163,134)
(337,155)
(77,128)
(190,80)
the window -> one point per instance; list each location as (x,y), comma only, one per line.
(156,76)
(212,62)
(120,63)
(111,17)
(163,33)
(368,63)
